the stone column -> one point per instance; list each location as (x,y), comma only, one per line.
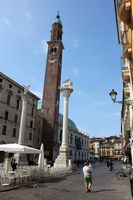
(63,160)
(22,122)
(23,116)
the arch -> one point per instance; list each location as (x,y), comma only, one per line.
(54,49)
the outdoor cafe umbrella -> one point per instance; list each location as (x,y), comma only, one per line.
(17,148)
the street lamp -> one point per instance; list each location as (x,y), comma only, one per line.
(113,95)
(128,102)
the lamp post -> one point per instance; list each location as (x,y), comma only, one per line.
(63,159)
(128,102)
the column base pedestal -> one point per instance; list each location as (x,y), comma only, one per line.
(63,158)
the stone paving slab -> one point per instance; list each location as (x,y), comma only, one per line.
(105,187)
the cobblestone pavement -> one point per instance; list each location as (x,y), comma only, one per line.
(105,187)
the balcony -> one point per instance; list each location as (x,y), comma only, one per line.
(124,10)
(126,90)
(126,74)
(127,51)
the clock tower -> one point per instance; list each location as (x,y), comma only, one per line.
(51,93)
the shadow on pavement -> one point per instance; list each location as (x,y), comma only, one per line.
(103,190)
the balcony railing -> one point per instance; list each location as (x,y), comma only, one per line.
(127,50)
(126,74)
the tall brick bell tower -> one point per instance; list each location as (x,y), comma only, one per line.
(51,93)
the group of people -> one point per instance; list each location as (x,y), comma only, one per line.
(110,165)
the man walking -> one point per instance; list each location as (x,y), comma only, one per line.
(87,171)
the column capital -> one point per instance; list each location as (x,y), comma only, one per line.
(66,92)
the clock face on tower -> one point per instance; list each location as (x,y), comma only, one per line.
(52,60)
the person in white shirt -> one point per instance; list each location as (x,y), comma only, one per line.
(87,171)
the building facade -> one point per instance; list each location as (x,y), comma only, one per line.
(78,141)
(10,112)
(124,19)
(107,147)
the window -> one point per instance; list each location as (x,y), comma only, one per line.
(10,86)
(4,130)
(31,124)
(54,50)
(71,139)
(32,111)
(19,91)
(8,99)
(30,136)
(15,118)
(6,115)
(17,106)
(14,132)
(1,80)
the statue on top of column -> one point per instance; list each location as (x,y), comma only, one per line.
(26,89)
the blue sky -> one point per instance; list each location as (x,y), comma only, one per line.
(91,58)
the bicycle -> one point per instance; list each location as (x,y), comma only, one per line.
(124,173)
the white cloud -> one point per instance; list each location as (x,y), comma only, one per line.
(101,103)
(76,71)
(117,114)
(75,43)
(28,15)
(6,21)
(35,52)
(79,93)
(28,28)
(44,45)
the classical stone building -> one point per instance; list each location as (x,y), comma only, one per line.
(78,141)
(10,112)
(107,147)
(124,22)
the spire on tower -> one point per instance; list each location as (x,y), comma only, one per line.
(57,19)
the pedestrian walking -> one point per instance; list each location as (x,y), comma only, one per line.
(13,163)
(87,171)
(108,163)
(111,165)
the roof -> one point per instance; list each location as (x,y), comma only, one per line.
(71,124)
(57,19)
(17,84)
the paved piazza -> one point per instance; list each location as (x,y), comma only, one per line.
(105,187)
